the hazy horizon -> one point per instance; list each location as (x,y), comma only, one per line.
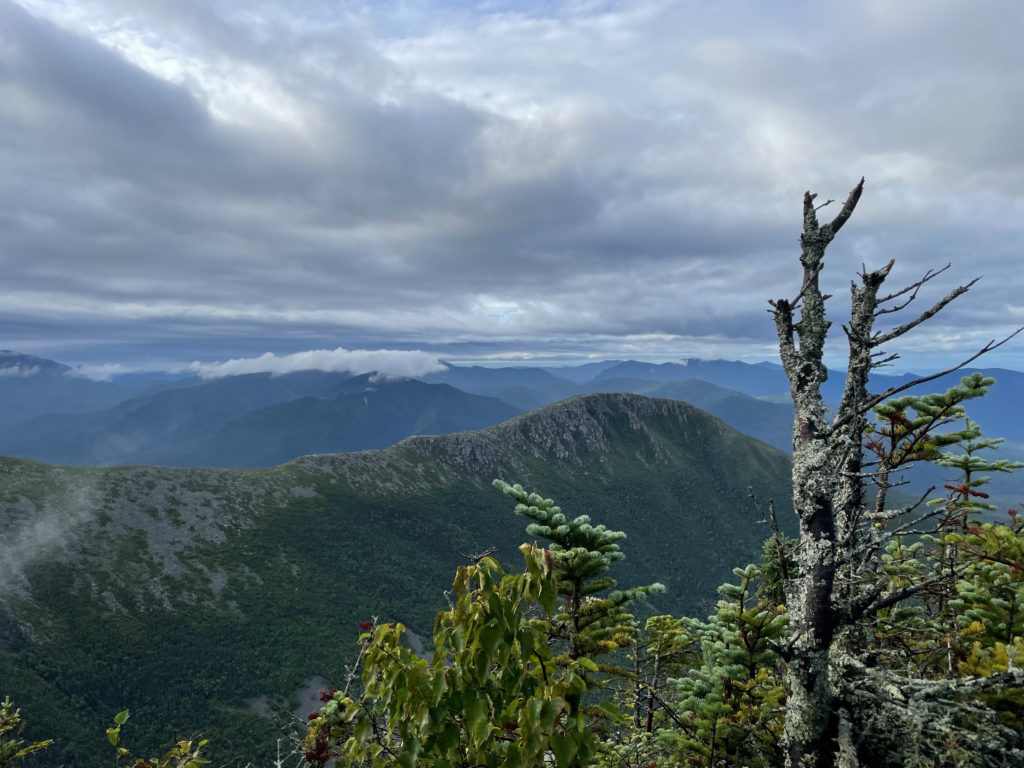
(395,362)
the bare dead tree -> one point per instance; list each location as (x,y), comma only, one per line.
(826,609)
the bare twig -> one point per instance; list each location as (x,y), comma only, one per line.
(475,559)
(895,333)
(876,399)
(913,288)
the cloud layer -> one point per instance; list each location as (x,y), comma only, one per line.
(212,179)
(388,362)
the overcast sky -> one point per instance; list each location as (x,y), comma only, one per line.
(208,180)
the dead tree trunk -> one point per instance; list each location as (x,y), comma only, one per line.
(825,607)
(811,726)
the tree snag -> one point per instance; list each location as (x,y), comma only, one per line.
(825,600)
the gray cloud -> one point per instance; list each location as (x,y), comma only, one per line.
(215,180)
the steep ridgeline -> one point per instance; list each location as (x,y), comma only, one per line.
(187,594)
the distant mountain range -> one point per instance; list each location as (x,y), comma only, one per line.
(255,420)
(259,420)
(755,380)
(32,386)
(187,594)
(49,414)
(361,413)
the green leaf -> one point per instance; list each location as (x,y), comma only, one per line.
(361,732)
(482,731)
(448,741)
(121,717)
(438,713)
(490,636)
(565,749)
(475,713)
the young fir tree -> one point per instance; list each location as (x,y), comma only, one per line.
(729,705)
(594,619)
(964,497)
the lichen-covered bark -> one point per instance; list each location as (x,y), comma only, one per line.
(850,420)
(851,637)
(832,687)
(811,726)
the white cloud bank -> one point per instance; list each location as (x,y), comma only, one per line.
(101,371)
(18,371)
(390,362)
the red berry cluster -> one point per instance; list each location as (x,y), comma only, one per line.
(319,756)
(319,753)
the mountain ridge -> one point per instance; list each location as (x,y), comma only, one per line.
(217,586)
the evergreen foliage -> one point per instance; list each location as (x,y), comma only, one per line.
(906,425)
(964,498)
(730,702)
(593,620)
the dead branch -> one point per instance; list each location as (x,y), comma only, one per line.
(913,287)
(851,202)
(993,344)
(475,559)
(882,338)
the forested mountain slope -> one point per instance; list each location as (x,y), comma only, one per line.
(185,594)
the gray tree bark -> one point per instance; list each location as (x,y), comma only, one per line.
(826,606)
(811,725)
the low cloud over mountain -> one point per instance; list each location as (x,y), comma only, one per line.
(388,362)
